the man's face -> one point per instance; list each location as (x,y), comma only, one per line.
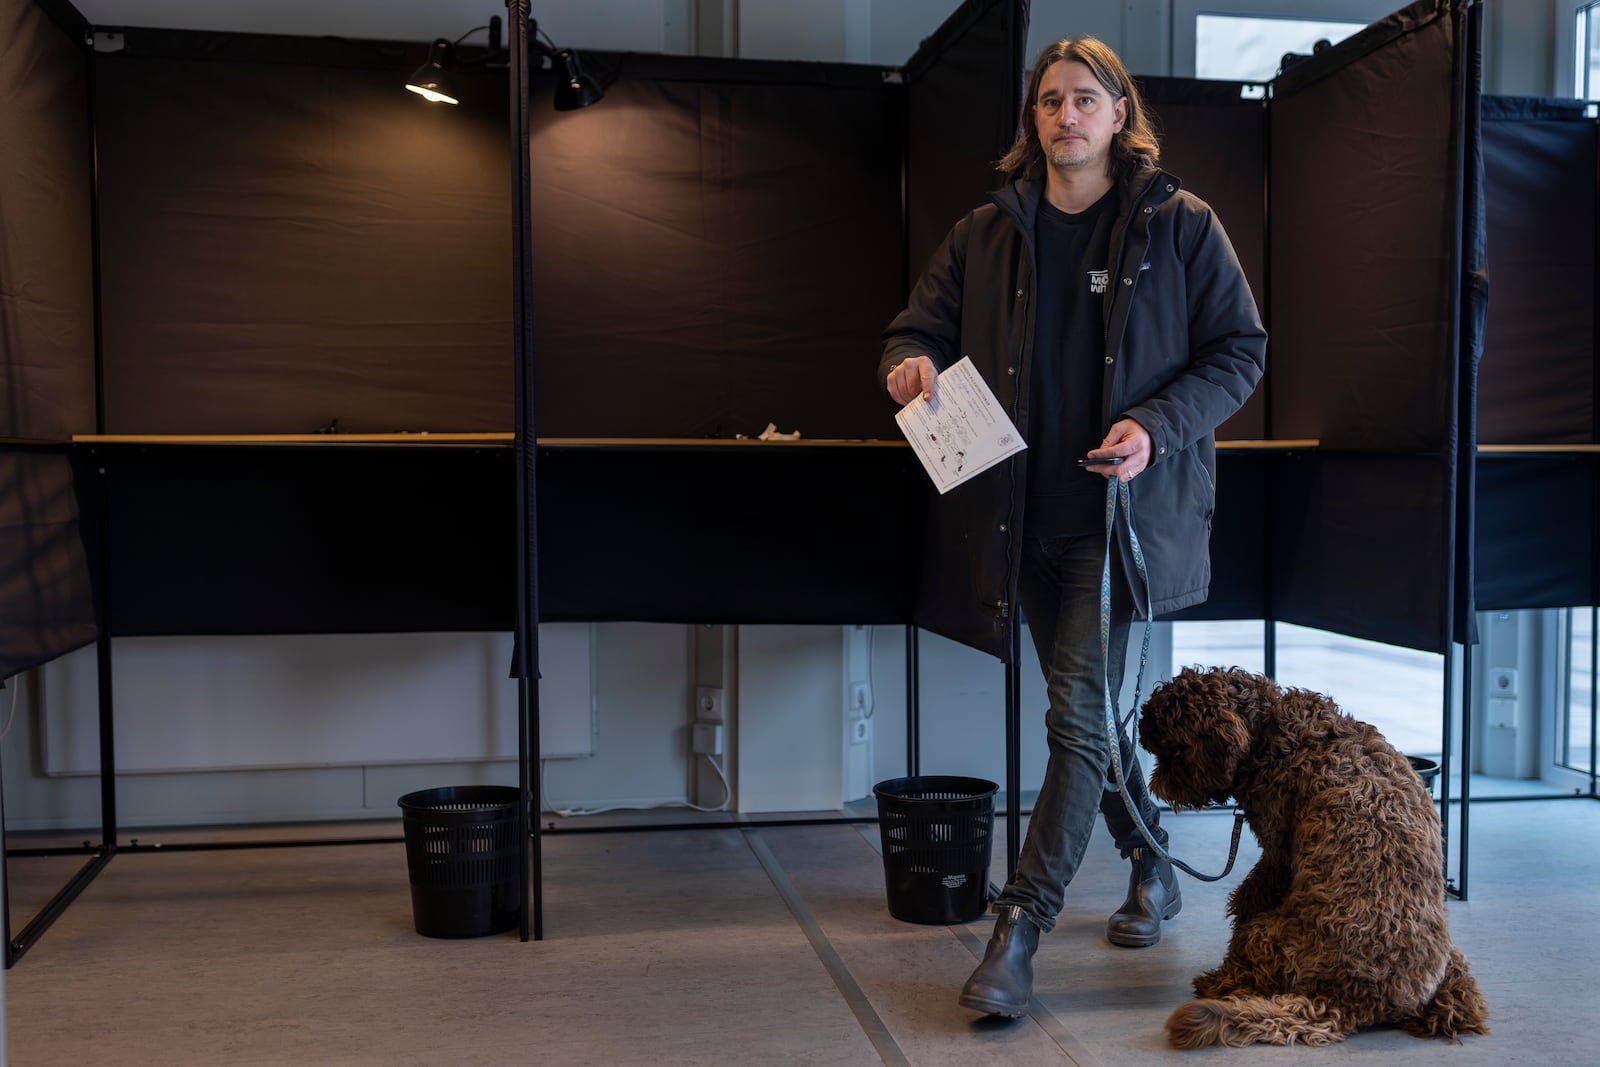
(1076,118)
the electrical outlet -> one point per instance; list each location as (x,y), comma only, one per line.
(708,705)
(860,731)
(1502,681)
(860,697)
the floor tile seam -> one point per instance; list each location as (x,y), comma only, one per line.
(1052,1027)
(1047,1020)
(855,998)
(1042,1016)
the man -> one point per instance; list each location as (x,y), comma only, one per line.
(1109,313)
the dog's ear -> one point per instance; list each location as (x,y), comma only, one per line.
(1232,733)
(1218,715)
(1228,701)
(1250,694)
(1246,703)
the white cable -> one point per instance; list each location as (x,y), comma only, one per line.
(727,790)
(872,689)
(727,796)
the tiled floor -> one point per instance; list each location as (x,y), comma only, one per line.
(766,945)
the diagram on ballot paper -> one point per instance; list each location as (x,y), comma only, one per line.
(962,431)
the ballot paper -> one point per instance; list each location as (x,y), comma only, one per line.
(963,431)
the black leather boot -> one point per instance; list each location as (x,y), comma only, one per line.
(1153,895)
(1003,982)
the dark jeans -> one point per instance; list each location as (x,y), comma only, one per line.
(1059,589)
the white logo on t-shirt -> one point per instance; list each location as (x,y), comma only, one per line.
(1098,280)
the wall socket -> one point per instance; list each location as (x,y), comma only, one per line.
(860,696)
(1502,682)
(860,731)
(708,705)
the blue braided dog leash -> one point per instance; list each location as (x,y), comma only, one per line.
(1117,489)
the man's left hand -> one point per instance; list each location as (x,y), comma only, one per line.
(1130,441)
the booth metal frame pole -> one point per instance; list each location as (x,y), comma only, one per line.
(913,703)
(99,855)
(1594,701)
(1013,747)
(1467,24)
(530,876)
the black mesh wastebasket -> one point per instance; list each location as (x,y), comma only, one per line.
(461,850)
(937,831)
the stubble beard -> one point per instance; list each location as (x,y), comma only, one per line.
(1068,154)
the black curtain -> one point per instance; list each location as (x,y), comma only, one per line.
(1536,523)
(964,91)
(1537,381)
(1536,513)
(290,239)
(721,241)
(46,331)
(1372,348)
(46,270)
(46,598)
(963,102)
(717,247)
(1214,139)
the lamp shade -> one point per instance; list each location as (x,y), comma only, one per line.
(574,87)
(432,80)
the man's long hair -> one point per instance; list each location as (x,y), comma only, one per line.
(1134,147)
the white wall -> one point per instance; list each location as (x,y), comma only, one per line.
(1525,49)
(383,715)
(620,25)
(226,703)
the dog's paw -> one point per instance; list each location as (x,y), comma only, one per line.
(1220,982)
(1210,985)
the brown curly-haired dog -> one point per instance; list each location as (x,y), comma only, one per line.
(1341,925)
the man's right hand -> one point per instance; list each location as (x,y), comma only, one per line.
(913,377)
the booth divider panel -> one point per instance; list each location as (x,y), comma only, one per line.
(291,243)
(46,266)
(729,252)
(46,596)
(1366,190)
(285,539)
(1238,542)
(216,539)
(1535,532)
(1356,543)
(286,244)
(1216,143)
(1537,379)
(962,98)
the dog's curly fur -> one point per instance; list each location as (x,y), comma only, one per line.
(1341,925)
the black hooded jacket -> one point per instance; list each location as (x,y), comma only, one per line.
(1184,349)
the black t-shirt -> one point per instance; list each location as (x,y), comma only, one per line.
(1068,367)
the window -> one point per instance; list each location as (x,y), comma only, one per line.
(1587,69)
(1398,690)
(1249,48)
(1575,733)
(1245,40)
(1231,643)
